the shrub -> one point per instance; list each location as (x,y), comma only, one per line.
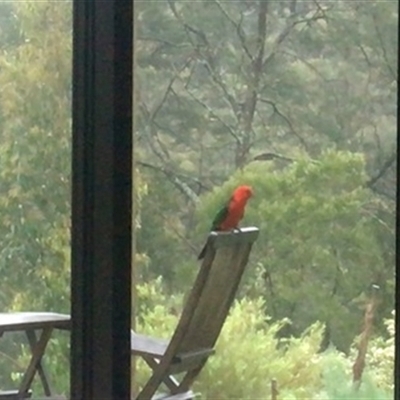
(250,354)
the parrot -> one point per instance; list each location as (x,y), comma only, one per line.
(229,216)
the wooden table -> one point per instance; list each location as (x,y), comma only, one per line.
(38,327)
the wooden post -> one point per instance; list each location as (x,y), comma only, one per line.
(359,364)
(274,390)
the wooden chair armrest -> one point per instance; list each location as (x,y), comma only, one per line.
(13,395)
(146,345)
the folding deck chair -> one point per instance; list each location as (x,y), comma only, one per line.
(201,321)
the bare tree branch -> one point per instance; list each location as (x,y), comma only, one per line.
(218,81)
(364,53)
(386,165)
(162,151)
(319,14)
(205,57)
(213,114)
(158,40)
(272,156)
(152,134)
(307,64)
(238,27)
(384,193)
(384,53)
(163,99)
(287,120)
(188,28)
(250,104)
(174,179)
(194,249)
(189,79)
(169,88)
(292,7)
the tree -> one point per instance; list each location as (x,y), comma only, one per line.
(35,121)
(207,108)
(318,251)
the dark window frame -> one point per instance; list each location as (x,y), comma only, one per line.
(101,199)
(397,267)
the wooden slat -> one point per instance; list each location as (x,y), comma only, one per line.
(232,238)
(146,345)
(182,357)
(216,296)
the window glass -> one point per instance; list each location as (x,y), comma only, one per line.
(35,160)
(298,100)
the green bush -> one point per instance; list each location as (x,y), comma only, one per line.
(380,357)
(337,381)
(250,354)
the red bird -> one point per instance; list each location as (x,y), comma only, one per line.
(229,216)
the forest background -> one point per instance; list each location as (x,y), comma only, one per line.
(296,98)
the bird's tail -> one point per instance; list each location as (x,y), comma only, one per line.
(203,252)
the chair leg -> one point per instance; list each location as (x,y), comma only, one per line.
(168,380)
(37,354)
(152,384)
(45,383)
(190,376)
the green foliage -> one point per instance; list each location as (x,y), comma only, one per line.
(380,358)
(35,158)
(337,383)
(317,250)
(162,237)
(250,354)
(35,121)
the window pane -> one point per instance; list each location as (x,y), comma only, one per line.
(297,99)
(35,157)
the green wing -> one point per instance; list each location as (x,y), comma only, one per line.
(220,217)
